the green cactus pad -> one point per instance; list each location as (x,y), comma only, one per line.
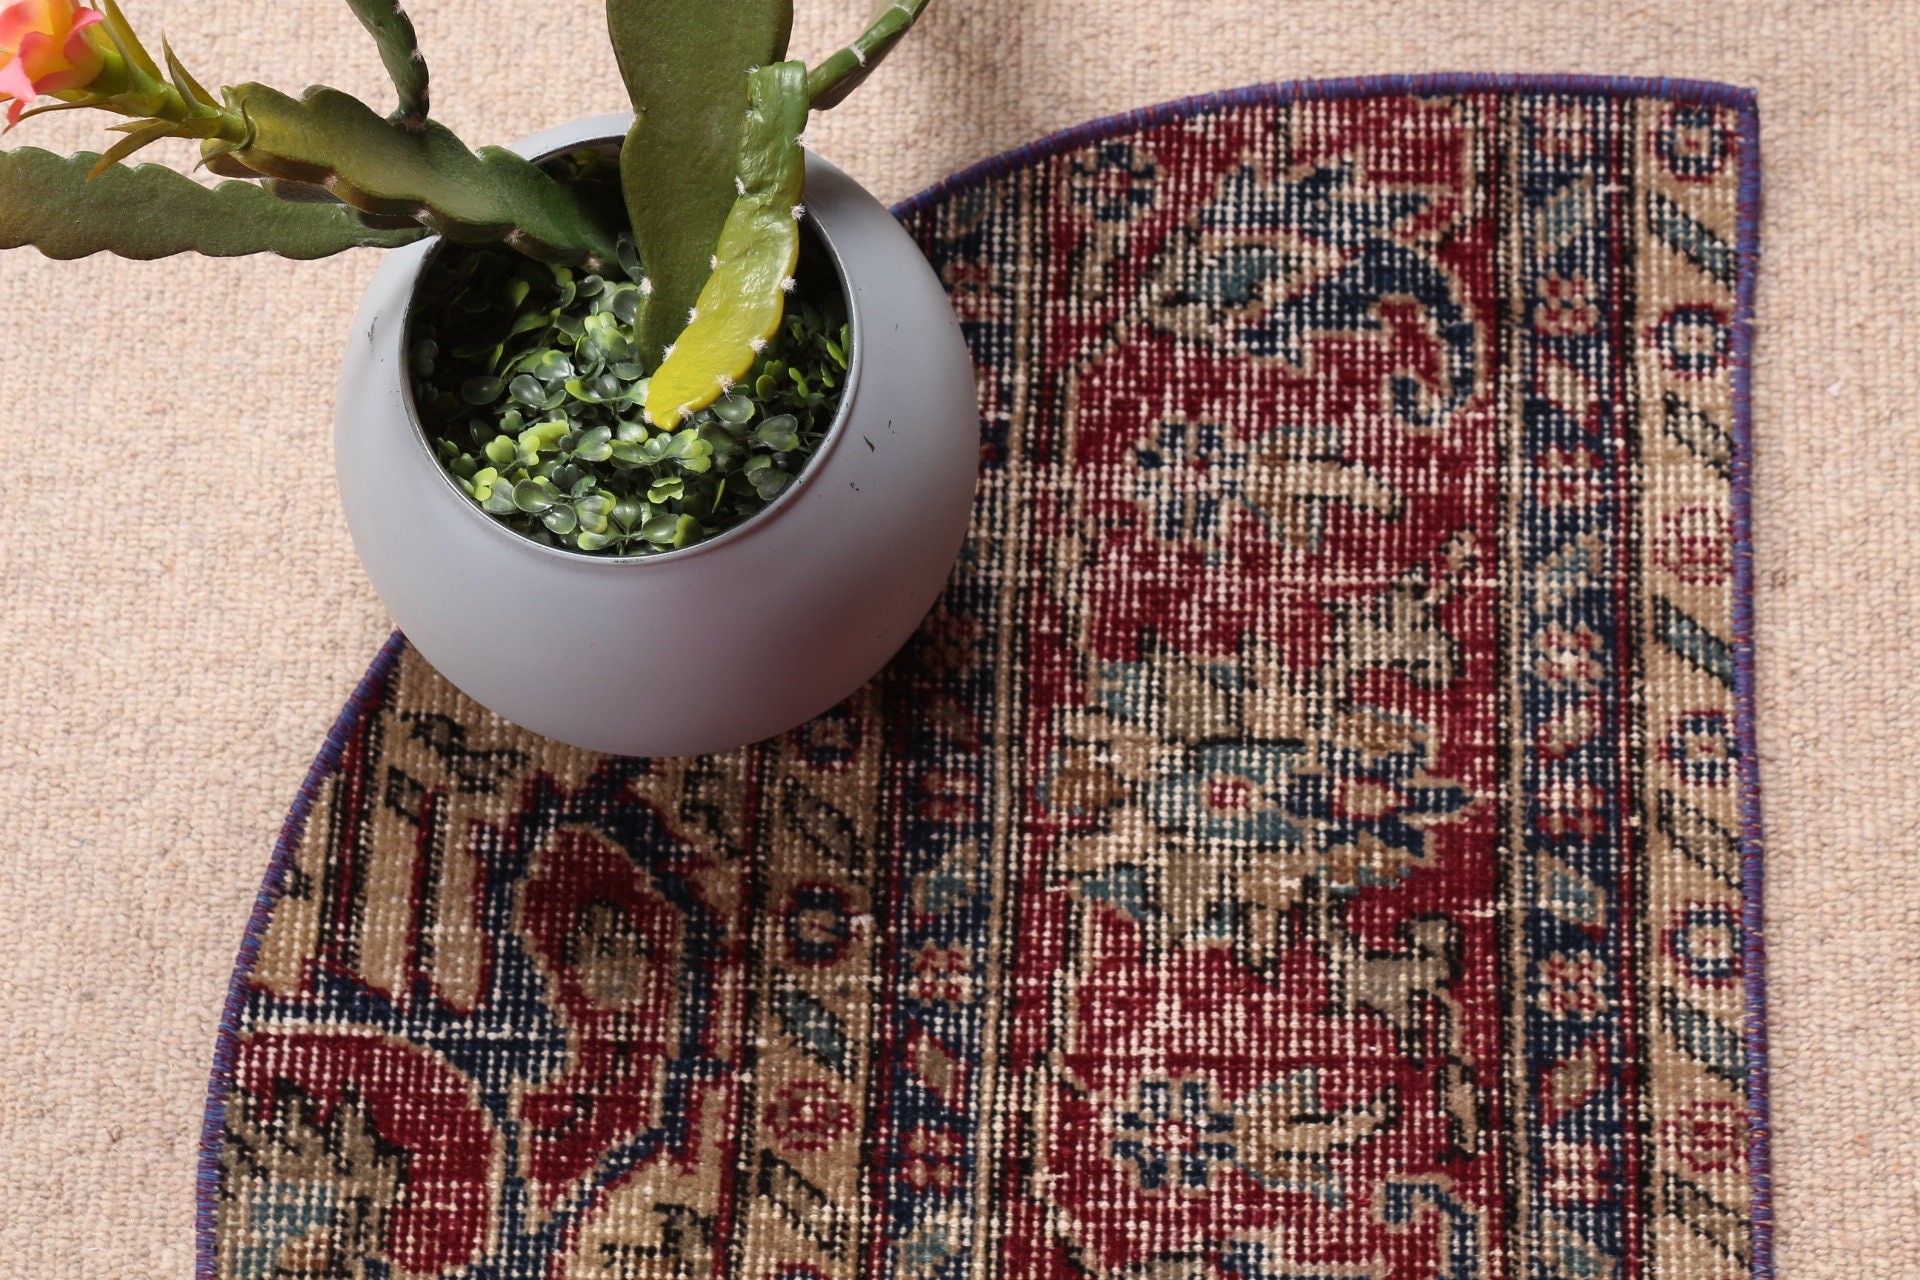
(685,65)
(740,307)
(333,140)
(392,31)
(151,211)
(829,83)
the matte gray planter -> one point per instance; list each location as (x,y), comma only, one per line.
(723,643)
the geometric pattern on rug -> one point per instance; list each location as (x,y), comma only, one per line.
(1305,841)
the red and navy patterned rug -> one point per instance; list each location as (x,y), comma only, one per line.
(1314,837)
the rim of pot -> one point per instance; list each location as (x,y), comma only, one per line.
(755,523)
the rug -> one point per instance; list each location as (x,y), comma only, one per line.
(1315,836)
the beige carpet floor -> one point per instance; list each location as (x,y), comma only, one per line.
(181,614)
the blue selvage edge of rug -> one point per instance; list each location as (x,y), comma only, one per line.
(1744,101)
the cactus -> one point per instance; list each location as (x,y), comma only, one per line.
(47,201)
(830,82)
(329,145)
(686,74)
(332,140)
(132,84)
(712,176)
(711,172)
(674,178)
(392,30)
(740,306)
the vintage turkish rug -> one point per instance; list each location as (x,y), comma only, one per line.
(1314,838)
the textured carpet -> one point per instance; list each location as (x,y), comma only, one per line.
(1304,839)
(177,634)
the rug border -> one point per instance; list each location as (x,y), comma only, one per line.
(1421,85)
(1743,100)
(365,694)
(1752,866)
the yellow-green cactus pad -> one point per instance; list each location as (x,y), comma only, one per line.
(685,64)
(740,307)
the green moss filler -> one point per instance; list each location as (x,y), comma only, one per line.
(529,383)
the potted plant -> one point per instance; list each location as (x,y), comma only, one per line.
(656,434)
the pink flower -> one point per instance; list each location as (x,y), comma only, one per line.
(45,48)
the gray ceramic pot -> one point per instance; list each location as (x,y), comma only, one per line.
(726,642)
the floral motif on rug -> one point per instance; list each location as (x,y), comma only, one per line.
(1312,838)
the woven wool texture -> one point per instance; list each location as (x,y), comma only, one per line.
(1303,839)
(183,612)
